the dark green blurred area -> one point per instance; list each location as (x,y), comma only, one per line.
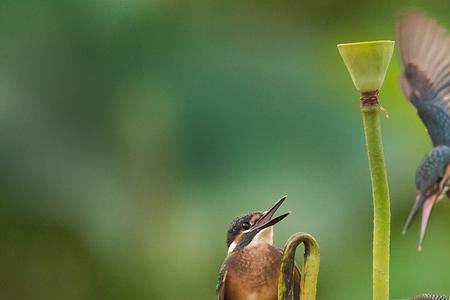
(134,131)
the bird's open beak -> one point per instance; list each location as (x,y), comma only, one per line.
(426,212)
(420,199)
(266,220)
(427,203)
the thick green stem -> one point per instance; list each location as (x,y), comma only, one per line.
(380,190)
(309,272)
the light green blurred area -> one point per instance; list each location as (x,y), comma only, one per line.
(134,131)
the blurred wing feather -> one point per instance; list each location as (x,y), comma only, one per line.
(425,53)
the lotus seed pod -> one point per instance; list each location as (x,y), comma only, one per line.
(367,63)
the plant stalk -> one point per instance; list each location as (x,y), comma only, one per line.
(380,191)
(309,272)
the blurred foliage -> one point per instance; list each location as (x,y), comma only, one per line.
(134,131)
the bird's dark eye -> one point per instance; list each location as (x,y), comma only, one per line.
(246,225)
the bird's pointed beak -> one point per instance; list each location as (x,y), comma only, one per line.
(429,202)
(266,219)
(420,199)
(426,212)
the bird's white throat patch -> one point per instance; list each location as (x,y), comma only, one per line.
(265,236)
(232,246)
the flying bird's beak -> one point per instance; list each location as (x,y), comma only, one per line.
(427,203)
(266,219)
(420,199)
(426,212)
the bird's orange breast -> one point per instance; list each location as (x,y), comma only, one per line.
(252,273)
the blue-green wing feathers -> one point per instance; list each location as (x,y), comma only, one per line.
(425,53)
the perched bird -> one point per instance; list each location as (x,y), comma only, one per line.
(425,54)
(251,268)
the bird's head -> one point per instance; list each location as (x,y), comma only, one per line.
(253,228)
(432,182)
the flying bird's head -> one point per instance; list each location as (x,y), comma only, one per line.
(253,228)
(432,182)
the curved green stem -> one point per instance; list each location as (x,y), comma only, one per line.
(310,270)
(380,191)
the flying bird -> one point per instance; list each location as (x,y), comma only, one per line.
(251,268)
(425,54)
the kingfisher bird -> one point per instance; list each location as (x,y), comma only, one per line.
(251,269)
(425,54)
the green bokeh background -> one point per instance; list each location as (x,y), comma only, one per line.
(134,131)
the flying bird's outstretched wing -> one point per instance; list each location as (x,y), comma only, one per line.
(425,53)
